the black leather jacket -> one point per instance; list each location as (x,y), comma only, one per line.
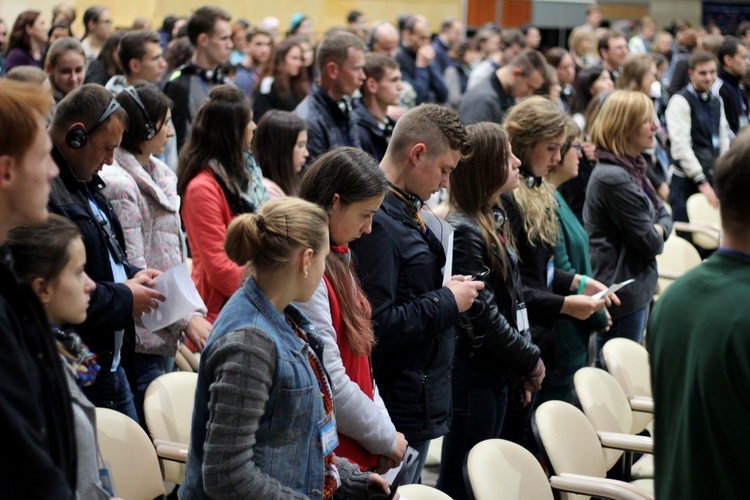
(488,331)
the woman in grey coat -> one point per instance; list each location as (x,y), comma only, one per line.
(626,221)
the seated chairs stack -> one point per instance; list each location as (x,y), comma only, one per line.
(572,446)
(627,361)
(607,407)
(500,470)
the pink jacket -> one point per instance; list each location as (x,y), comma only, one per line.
(146,202)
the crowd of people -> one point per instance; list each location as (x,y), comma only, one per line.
(320,188)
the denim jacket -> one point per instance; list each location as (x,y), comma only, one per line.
(287,441)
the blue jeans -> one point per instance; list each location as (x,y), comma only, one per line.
(629,327)
(148,367)
(415,474)
(680,190)
(479,405)
(123,395)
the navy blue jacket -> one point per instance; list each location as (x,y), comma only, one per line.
(414,315)
(111,306)
(428,82)
(373,138)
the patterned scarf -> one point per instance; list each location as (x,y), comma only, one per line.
(636,167)
(332,479)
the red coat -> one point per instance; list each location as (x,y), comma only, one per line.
(206,216)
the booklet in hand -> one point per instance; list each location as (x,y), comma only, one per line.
(182,298)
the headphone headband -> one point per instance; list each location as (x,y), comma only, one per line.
(149,130)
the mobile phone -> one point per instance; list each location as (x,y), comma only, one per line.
(481,274)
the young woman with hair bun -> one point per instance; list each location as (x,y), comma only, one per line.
(263,423)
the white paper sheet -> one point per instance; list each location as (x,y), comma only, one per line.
(182,298)
(612,289)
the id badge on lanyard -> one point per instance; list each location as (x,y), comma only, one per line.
(522,317)
(550,271)
(329,438)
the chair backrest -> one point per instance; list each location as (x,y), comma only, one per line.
(502,470)
(130,454)
(605,405)
(700,211)
(569,439)
(678,257)
(421,492)
(627,361)
(168,407)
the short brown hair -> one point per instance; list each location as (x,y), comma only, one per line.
(435,126)
(203,20)
(701,57)
(335,47)
(732,176)
(133,46)
(86,104)
(376,64)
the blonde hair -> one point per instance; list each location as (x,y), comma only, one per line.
(269,239)
(530,122)
(620,116)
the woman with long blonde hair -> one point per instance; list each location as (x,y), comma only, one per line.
(538,130)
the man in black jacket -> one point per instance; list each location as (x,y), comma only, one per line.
(399,265)
(491,98)
(328,110)
(381,89)
(733,59)
(35,406)
(87,127)
(417,60)
(188,86)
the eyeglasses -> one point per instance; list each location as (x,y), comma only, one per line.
(579,148)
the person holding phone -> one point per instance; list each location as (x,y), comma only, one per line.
(493,339)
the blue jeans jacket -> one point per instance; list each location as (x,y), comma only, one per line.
(288,446)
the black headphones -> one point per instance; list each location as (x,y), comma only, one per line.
(531,180)
(149,130)
(77,136)
(211,75)
(70,340)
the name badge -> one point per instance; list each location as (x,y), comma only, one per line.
(715,141)
(106,478)
(328,436)
(550,271)
(522,317)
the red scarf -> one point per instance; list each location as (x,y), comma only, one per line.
(358,370)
